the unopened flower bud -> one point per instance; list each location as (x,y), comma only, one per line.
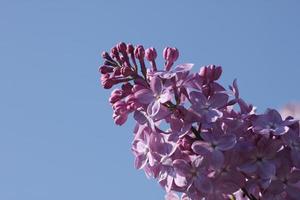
(139,52)
(170,54)
(186,143)
(127,87)
(115,52)
(105,55)
(104,77)
(119,107)
(120,119)
(211,72)
(117,71)
(217,73)
(126,71)
(108,83)
(130,48)
(150,54)
(115,96)
(105,69)
(122,47)
(108,63)
(122,59)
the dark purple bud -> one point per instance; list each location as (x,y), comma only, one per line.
(119,107)
(120,119)
(105,69)
(217,72)
(122,47)
(126,71)
(127,88)
(115,52)
(170,54)
(105,55)
(186,143)
(115,96)
(109,63)
(130,48)
(117,71)
(119,104)
(108,83)
(139,52)
(140,81)
(211,72)
(150,54)
(122,59)
(105,77)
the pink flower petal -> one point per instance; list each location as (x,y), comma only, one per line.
(156,85)
(144,96)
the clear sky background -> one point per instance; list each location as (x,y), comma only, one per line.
(57,138)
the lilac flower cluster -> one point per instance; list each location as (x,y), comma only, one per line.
(196,138)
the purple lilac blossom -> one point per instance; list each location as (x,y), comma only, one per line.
(197,139)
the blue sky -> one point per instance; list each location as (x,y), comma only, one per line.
(57,139)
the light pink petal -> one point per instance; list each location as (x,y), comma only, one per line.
(141,147)
(151,159)
(144,96)
(180,181)
(182,167)
(185,197)
(183,67)
(167,75)
(165,96)
(171,196)
(153,108)
(202,148)
(139,117)
(140,161)
(169,183)
(156,85)
(197,161)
